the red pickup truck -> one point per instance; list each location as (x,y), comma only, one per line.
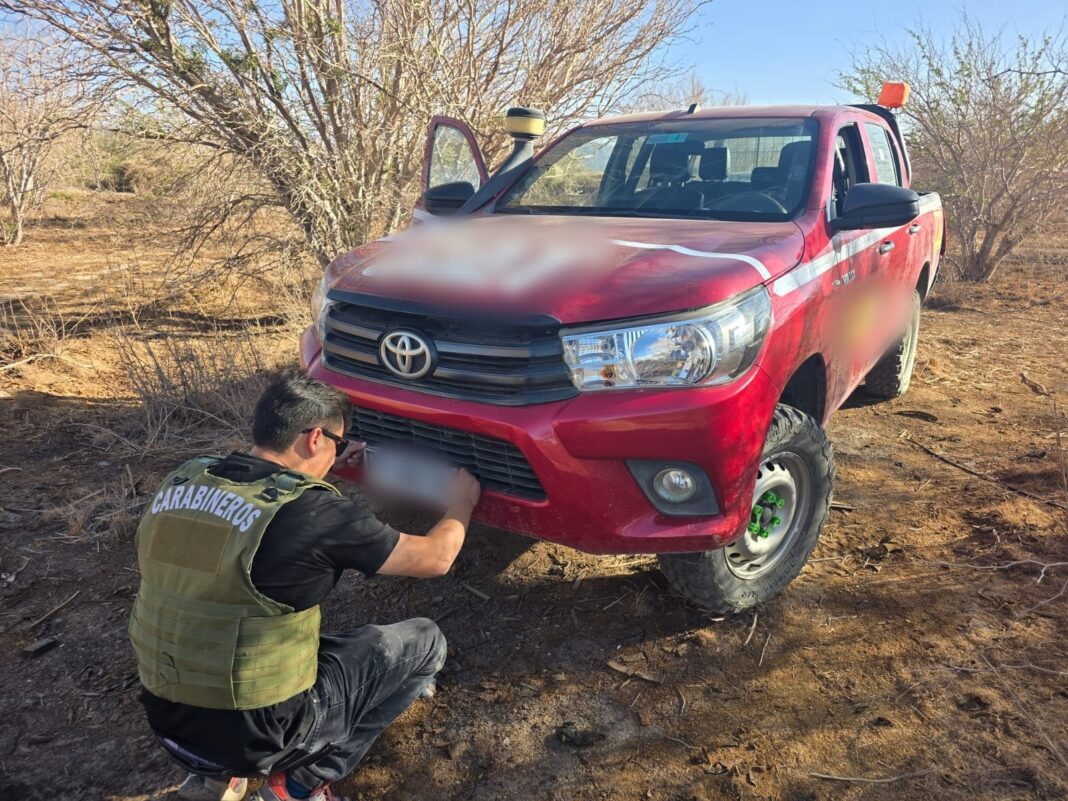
(635,337)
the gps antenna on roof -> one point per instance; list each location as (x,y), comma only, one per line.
(693,107)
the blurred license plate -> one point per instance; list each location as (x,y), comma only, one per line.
(408,474)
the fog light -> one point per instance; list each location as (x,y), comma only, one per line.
(675,489)
(674,485)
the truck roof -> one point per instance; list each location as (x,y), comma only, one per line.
(721,112)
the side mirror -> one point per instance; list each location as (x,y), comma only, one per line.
(877,206)
(447,198)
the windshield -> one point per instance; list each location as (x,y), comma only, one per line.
(724,169)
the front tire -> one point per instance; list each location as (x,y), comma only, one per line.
(891,375)
(794,486)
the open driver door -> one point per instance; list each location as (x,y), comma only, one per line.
(453,168)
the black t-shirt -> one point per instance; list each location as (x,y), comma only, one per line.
(303,553)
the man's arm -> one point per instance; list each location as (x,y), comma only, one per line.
(433,555)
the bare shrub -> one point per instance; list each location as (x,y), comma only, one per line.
(681,93)
(328,101)
(195,394)
(114,510)
(48,91)
(985,125)
(113,162)
(35,328)
(129,150)
(225,219)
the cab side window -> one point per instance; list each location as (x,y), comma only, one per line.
(850,166)
(884,155)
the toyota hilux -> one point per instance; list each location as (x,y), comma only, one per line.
(635,337)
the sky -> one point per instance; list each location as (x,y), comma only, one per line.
(790,51)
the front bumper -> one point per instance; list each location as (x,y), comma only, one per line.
(578,448)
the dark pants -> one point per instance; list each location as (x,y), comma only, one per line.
(367,678)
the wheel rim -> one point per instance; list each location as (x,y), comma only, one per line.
(782,493)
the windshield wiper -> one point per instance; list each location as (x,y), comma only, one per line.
(515,210)
(586,211)
(580,211)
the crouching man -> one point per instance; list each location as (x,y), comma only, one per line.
(236,555)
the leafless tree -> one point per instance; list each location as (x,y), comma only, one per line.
(681,92)
(47,91)
(328,99)
(986,127)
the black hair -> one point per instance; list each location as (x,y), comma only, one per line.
(291,405)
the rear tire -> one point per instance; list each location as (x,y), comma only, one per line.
(797,466)
(890,376)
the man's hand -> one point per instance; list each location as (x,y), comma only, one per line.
(433,555)
(465,490)
(352,456)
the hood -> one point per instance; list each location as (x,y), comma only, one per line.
(577,269)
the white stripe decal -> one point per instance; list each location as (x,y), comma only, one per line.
(701,254)
(929,202)
(811,270)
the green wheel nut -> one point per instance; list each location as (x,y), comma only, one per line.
(754,528)
(775,521)
(780,503)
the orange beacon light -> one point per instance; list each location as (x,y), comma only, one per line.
(893,95)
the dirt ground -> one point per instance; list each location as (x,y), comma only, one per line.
(922,653)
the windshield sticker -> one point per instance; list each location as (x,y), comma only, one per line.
(666,138)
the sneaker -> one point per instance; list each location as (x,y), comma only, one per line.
(275,790)
(199,788)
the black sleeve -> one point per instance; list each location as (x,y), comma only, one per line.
(311,540)
(346,533)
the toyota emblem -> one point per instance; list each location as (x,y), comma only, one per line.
(406,354)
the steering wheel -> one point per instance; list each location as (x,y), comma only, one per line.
(653,195)
(748,201)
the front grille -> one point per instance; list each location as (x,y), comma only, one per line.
(510,362)
(499,465)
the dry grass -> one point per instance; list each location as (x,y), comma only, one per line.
(108,514)
(935,655)
(34,328)
(192,393)
(177,357)
(196,362)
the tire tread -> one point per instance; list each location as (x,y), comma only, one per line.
(891,375)
(690,574)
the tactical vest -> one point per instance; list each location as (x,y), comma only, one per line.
(202,632)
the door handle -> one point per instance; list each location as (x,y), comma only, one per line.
(885,248)
(914,228)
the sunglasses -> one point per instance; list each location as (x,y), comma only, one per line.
(340,443)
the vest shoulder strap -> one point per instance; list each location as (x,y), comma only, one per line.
(287,483)
(192,469)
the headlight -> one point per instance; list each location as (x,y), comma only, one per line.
(318,295)
(710,346)
(320,305)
